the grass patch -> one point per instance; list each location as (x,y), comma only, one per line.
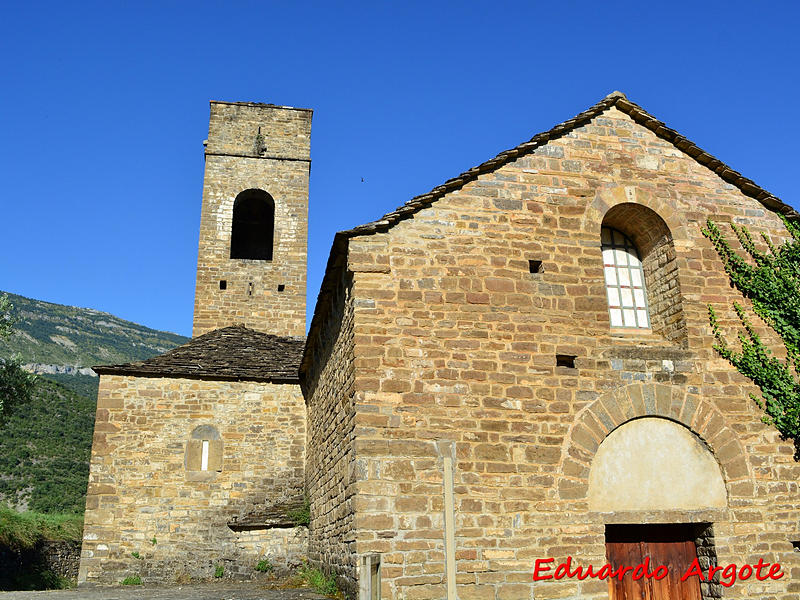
(302,515)
(313,577)
(24,530)
(132,580)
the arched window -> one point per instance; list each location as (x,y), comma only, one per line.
(253,225)
(640,264)
(627,297)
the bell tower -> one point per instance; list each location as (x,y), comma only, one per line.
(251,261)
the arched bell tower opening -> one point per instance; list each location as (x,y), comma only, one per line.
(253,226)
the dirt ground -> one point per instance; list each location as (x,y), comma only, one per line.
(200,591)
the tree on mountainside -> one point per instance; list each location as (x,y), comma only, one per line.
(16,384)
(771,280)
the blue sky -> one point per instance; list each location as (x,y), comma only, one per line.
(104,107)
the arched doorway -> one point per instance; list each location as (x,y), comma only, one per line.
(652,465)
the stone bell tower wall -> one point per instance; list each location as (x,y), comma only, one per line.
(254,147)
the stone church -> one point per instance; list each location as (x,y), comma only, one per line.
(514,367)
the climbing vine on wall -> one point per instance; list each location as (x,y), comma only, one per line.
(771,281)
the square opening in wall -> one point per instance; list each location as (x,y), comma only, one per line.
(565,360)
(281,287)
(223,284)
(535,266)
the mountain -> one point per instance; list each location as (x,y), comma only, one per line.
(45,444)
(54,334)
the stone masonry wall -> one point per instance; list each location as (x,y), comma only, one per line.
(279,164)
(62,557)
(59,557)
(142,499)
(455,341)
(328,388)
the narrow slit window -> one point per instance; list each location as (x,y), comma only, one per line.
(204,456)
(627,297)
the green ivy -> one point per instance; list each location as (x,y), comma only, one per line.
(771,281)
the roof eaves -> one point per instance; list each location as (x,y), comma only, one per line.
(128,371)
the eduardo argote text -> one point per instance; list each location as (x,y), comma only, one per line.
(728,575)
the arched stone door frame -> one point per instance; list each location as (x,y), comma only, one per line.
(612,409)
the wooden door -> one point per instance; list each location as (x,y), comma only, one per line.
(669,545)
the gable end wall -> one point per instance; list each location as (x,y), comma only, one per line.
(459,344)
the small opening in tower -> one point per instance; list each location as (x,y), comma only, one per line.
(281,287)
(223,284)
(796,546)
(565,360)
(535,266)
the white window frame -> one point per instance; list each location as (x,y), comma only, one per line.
(626,293)
(204,456)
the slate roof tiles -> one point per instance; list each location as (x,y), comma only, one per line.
(231,353)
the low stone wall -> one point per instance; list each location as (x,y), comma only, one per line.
(284,548)
(236,552)
(62,557)
(59,557)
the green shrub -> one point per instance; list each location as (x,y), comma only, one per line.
(265,566)
(219,571)
(35,578)
(45,450)
(132,580)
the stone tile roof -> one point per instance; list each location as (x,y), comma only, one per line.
(338,254)
(267,516)
(230,353)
